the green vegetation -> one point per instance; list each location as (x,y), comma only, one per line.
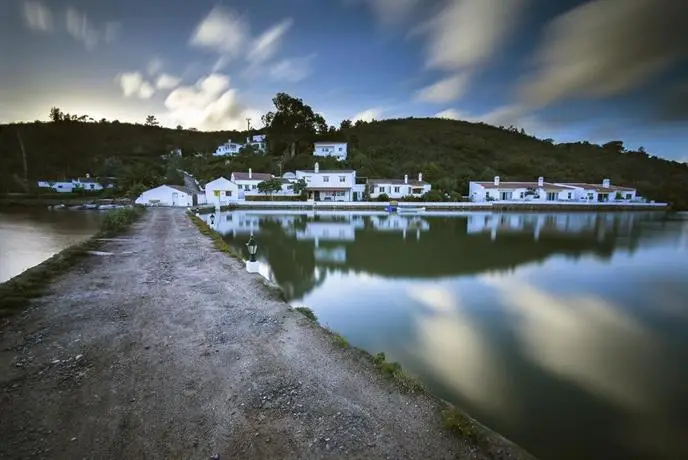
(339,340)
(270,186)
(219,243)
(118,220)
(16,293)
(394,371)
(459,423)
(308,313)
(449,153)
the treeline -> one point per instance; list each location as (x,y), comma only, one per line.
(449,153)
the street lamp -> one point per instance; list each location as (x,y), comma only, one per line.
(252,246)
(212,219)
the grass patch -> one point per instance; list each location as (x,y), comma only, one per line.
(460,424)
(219,243)
(16,293)
(395,372)
(118,220)
(308,313)
(340,340)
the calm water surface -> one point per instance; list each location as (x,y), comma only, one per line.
(567,333)
(30,236)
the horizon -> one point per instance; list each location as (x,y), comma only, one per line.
(570,70)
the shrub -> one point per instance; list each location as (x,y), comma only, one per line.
(119,219)
(383,197)
(307,312)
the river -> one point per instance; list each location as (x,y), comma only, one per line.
(30,236)
(565,332)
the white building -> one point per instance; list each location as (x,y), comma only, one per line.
(603,192)
(86,183)
(257,142)
(166,195)
(398,188)
(248,182)
(337,150)
(229,148)
(520,191)
(80,183)
(331,185)
(221,192)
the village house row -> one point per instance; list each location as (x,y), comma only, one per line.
(343,185)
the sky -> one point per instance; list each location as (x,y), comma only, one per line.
(596,70)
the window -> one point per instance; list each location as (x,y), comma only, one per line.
(308,178)
(342,178)
(551,196)
(92,186)
(380,190)
(254,186)
(326,178)
(340,149)
(247,187)
(629,196)
(570,195)
(397,189)
(228,193)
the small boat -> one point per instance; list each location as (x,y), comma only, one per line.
(410,210)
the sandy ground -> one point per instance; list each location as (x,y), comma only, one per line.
(172,350)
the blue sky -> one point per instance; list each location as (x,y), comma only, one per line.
(571,69)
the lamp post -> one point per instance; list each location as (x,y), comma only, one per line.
(252,246)
(212,220)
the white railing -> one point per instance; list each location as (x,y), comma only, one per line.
(435,205)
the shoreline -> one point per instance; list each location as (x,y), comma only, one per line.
(454,419)
(436,206)
(170,348)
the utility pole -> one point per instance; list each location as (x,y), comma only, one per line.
(21,144)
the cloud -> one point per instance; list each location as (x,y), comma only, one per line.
(443,91)
(166,81)
(210,104)
(507,115)
(154,66)
(81,29)
(606,47)
(465,33)
(292,70)
(228,34)
(266,44)
(674,104)
(222,31)
(37,16)
(133,85)
(368,115)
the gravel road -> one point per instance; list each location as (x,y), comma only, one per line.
(169,349)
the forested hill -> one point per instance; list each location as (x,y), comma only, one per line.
(449,153)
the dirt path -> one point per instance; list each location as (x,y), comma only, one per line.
(174,351)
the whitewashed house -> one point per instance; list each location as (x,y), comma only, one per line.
(229,148)
(63,186)
(257,142)
(86,183)
(248,182)
(398,188)
(603,192)
(221,191)
(331,185)
(337,150)
(519,191)
(166,195)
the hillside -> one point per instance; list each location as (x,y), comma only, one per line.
(449,153)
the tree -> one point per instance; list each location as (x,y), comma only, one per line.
(345,124)
(300,186)
(55,114)
(292,125)
(270,186)
(180,127)
(151,121)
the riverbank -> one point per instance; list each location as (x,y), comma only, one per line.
(168,348)
(17,292)
(24,202)
(438,206)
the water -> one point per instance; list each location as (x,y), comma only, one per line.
(30,236)
(567,333)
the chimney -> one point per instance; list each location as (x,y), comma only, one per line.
(496,180)
(420,177)
(606,183)
(405,178)
(250,173)
(316,168)
(541,181)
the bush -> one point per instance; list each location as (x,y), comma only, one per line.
(276,198)
(433,196)
(383,197)
(119,219)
